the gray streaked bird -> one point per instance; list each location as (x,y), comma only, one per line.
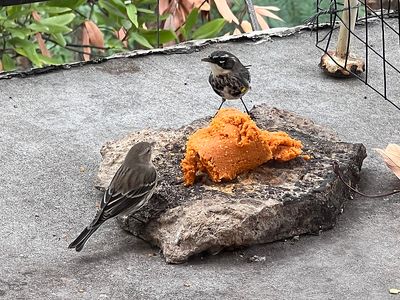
(229,78)
(131,187)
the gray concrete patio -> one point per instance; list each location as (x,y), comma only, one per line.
(53,125)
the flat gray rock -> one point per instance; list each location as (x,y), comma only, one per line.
(272,202)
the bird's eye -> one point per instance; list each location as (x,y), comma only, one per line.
(221,62)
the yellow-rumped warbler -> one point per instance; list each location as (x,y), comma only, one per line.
(229,78)
(131,187)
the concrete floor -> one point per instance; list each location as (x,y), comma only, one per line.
(53,125)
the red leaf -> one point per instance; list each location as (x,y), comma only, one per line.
(164,5)
(261,21)
(246,26)
(39,38)
(225,11)
(85,41)
(120,34)
(36,16)
(96,37)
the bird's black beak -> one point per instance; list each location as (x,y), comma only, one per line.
(207,59)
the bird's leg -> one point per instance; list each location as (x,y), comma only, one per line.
(222,103)
(247,111)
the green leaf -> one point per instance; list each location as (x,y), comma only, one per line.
(53,10)
(58,29)
(66,3)
(17,11)
(59,38)
(209,29)
(50,60)
(190,21)
(110,8)
(50,28)
(165,36)
(20,32)
(132,14)
(145,11)
(119,4)
(115,44)
(58,20)
(8,62)
(140,39)
(36,27)
(27,49)
(9,24)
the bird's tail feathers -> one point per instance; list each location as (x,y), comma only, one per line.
(81,240)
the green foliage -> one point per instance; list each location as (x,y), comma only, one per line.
(61,27)
(210,29)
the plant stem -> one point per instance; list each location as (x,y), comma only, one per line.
(77,45)
(348,22)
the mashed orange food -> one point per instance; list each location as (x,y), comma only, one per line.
(233,144)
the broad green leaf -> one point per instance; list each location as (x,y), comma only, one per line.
(9,24)
(147,18)
(165,36)
(127,24)
(66,3)
(132,14)
(59,38)
(8,62)
(209,29)
(145,11)
(29,51)
(111,8)
(20,32)
(50,60)
(53,10)
(190,21)
(36,27)
(58,20)
(140,39)
(58,29)
(17,11)
(115,44)
(119,4)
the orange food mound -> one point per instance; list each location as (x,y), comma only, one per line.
(233,144)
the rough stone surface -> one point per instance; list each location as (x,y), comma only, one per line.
(275,201)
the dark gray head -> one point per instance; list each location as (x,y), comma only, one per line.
(140,153)
(222,59)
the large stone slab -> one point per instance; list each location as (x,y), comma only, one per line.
(275,201)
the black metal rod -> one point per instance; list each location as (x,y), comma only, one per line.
(158,23)
(252,14)
(366,42)
(361,79)
(383,54)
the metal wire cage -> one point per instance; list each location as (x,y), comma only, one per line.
(381,68)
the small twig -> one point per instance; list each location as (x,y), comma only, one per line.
(83,52)
(79,13)
(91,10)
(339,173)
(77,45)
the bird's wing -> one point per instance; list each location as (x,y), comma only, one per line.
(245,74)
(128,189)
